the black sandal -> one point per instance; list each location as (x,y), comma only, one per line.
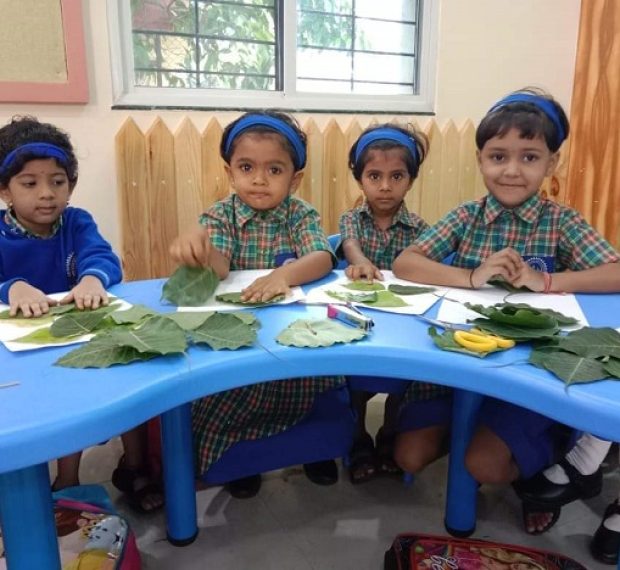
(605,543)
(385,454)
(362,461)
(246,487)
(127,480)
(322,472)
(529,509)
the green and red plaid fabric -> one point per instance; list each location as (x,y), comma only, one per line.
(252,240)
(381,246)
(538,227)
(11,220)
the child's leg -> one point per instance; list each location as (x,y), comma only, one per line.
(362,454)
(386,436)
(414,450)
(489,459)
(68,471)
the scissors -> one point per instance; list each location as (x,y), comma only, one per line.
(443,324)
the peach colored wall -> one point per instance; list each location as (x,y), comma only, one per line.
(486,49)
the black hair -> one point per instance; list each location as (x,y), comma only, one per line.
(22,130)
(529,119)
(262,129)
(413,166)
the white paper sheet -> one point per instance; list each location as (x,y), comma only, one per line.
(453,311)
(235,282)
(416,304)
(10,331)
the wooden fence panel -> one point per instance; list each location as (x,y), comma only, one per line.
(186,175)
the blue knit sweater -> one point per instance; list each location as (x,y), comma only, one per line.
(57,263)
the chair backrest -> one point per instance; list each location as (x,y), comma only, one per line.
(334,242)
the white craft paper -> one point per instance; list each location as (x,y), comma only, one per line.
(452,309)
(10,331)
(416,304)
(237,281)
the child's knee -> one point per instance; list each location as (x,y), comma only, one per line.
(486,467)
(410,456)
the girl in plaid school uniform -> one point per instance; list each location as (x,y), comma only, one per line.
(385,161)
(260,226)
(505,234)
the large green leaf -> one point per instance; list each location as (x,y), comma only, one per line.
(234,297)
(43,336)
(518,315)
(248,318)
(446,341)
(364,285)
(81,322)
(54,310)
(224,330)
(315,333)
(190,286)
(387,299)
(503,284)
(133,315)
(361,297)
(409,289)
(156,335)
(612,367)
(569,367)
(189,320)
(592,342)
(96,354)
(518,334)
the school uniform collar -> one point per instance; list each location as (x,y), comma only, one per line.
(245,213)
(401,216)
(11,220)
(527,212)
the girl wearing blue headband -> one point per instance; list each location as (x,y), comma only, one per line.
(515,235)
(47,247)
(385,160)
(260,226)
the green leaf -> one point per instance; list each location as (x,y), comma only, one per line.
(133,315)
(363,297)
(518,334)
(157,335)
(81,322)
(446,341)
(518,315)
(315,333)
(224,330)
(189,320)
(569,367)
(364,286)
(612,367)
(101,355)
(409,289)
(502,284)
(43,336)
(387,299)
(27,322)
(248,318)
(235,299)
(592,342)
(54,310)
(190,286)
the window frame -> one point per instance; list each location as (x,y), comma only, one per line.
(127,96)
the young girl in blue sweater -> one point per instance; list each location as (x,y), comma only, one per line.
(47,247)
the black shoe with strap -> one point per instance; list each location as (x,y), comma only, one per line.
(606,542)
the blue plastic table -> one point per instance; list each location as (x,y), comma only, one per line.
(55,411)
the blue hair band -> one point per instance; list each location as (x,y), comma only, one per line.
(277,125)
(387,134)
(36,149)
(545,105)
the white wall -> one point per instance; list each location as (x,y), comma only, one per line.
(487,48)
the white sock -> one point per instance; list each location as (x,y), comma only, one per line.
(613,522)
(586,456)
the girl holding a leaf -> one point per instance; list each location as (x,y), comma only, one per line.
(528,241)
(47,247)
(260,226)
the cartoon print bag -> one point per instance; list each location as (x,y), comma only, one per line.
(412,551)
(90,534)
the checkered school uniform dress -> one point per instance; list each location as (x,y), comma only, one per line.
(382,247)
(253,240)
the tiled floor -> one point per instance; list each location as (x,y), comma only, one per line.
(295,525)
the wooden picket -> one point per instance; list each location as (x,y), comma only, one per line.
(167,179)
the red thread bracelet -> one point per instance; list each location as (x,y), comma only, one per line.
(548,281)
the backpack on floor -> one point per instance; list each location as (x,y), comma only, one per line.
(91,535)
(412,551)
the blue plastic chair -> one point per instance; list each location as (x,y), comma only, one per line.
(326,433)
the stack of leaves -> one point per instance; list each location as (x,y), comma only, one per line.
(190,286)
(316,333)
(473,343)
(140,333)
(581,356)
(374,294)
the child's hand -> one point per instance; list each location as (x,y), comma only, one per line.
(530,278)
(31,301)
(363,270)
(506,263)
(192,248)
(89,293)
(266,288)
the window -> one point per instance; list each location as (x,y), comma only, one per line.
(330,55)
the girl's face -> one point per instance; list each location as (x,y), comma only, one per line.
(38,194)
(513,168)
(261,170)
(385,180)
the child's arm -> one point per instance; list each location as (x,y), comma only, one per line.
(32,302)
(194,248)
(601,279)
(359,265)
(307,268)
(89,293)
